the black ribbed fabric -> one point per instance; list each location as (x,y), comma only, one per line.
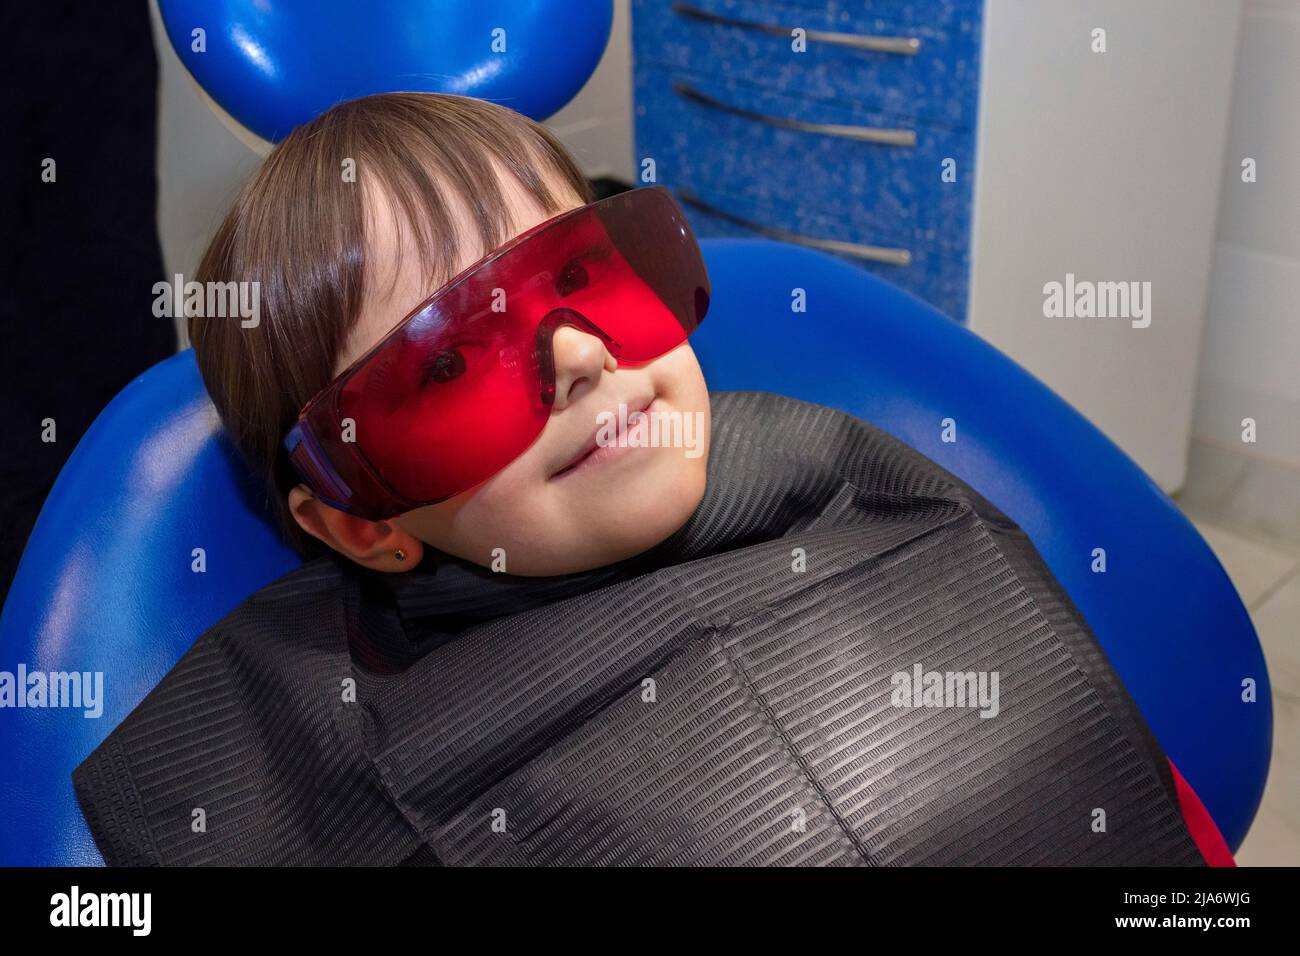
(702,703)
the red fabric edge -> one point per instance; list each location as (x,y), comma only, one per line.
(1205,834)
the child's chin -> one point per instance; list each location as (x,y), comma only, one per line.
(610,529)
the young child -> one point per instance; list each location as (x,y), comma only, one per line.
(779,637)
(440,181)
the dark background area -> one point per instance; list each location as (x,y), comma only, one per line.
(78,256)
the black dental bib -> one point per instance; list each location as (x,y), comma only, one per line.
(846,656)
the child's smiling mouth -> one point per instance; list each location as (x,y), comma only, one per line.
(593,454)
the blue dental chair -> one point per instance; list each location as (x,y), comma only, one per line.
(106,583)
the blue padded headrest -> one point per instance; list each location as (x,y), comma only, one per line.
(273,66)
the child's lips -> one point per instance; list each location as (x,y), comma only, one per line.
(593,454)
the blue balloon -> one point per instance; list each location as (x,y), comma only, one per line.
(275,64)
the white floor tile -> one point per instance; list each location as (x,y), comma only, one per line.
(1266,573)
(1274,838)
(1254,566)
(1277,621)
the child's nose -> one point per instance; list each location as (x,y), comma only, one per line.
(580,359)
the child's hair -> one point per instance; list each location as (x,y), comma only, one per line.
(298,227)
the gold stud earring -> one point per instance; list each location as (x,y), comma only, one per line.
(399,554)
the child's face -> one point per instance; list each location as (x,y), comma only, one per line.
(545,514)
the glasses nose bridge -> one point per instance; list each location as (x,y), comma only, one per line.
(544,347)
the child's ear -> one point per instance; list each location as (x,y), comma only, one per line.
(380,545)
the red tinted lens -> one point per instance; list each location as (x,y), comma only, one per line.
(457,392)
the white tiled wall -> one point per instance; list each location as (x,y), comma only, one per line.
(1250,361)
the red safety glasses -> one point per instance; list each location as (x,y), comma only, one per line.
(465,383)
